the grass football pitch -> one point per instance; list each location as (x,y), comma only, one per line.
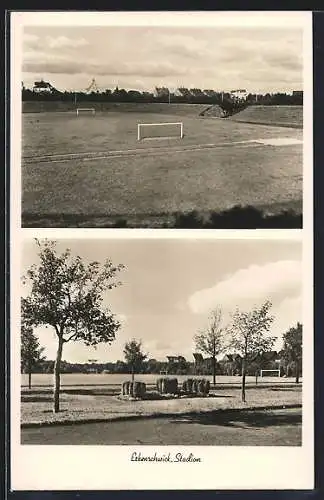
(92,170)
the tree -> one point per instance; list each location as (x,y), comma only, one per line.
(67,295)
(211,340)
(292,351)
(31,351)
(134,356)
(249,335)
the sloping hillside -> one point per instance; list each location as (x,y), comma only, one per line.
(213,111)
(281,116)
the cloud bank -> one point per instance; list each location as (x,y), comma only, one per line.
(208,58)
(275,281)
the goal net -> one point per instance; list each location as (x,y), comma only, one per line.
(270,373)
(160,131)
(85,111)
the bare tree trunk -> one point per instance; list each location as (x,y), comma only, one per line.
(57,371)
(243,380)
(297,372)
(29,378)
(214,363)
(256,377)
(133,374)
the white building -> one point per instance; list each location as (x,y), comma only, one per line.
(42,87)
(240,94)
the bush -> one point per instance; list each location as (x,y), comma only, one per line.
(189,220)
(166,385)
(199,387)
(133,389)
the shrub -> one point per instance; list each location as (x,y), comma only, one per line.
(200,387)
(133,389)
(166,385)
(188,220)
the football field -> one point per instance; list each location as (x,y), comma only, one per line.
(91,170)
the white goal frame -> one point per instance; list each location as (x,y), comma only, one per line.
(93,111)
(275,370)
(139,125)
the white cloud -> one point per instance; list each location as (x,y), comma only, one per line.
(264,61)
(273,281)
(63,42)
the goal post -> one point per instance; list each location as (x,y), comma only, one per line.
(160,130)
(79,111)
(270,373)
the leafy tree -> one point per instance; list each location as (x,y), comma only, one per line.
(211,340)
(31,351)
(292,351)
(249,335)
(153,366)
(67,294)
(134,356)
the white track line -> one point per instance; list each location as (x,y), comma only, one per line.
(127,151)
(90,156)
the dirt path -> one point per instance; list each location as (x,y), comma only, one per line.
(240,428)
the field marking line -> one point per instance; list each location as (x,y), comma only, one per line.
(129,154)
(120,151)
(90,156)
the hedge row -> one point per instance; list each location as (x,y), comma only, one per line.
(134,389)
(165,385)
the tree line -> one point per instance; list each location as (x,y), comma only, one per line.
(163,95)
(67,295)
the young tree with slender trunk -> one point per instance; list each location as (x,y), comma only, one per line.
(211,340)
(67,295)
(249,335)
(31,352)
(292,351)
(134,356)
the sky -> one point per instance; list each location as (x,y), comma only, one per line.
(170,286)
(260,60)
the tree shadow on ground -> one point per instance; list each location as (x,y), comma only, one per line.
(286,389)
(242,418)
(156,396)
(36,399)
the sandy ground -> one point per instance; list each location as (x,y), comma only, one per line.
(37,408)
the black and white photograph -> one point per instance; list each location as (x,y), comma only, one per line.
(163,351)
(161,258)
(162,126)
(215,353)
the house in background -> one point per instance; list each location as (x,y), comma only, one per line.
(239,95)
(42,87)
(231,365)
(203,366)
(176,359)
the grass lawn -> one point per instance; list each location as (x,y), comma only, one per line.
(90,404)
(105,380)
(277,115)
(111,175)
